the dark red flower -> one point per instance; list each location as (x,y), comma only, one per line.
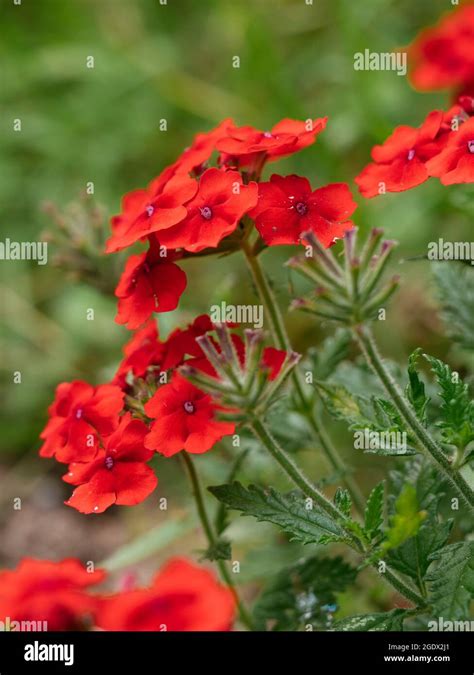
(117,475)
(243,145)
(182,597)
(455,163)
(51,592)
(141,352)
(442,56)
(150,283)
(400,162)
(80,414)
(146,211)
(221,201)
(287,207)
(185,419)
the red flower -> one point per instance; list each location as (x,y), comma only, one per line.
(273,359)
(400,163)
(117,475)
(53,592)
(146,211)
(214,213)
(148,284)
(79,413)
(287,207)
(442,56)
(193,159)
(182,597)
(244,145)
(185,419)
(455,164)
(183,343)
(141,352)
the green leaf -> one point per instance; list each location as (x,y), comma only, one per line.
(430,486)
(373,520)
(413,556)
(384,621)
(220,519)
(456,292)
(457,409)
(452,581)
(292,512)
(343,501)
(333,350)
(221,550)
(415,389)
(303,594)
(407,519)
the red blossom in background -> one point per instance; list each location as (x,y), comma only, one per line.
(150,283)
(182,597)
(455,163)
(442,56)
(287,207)
(221,201)
(80,414)
(54,592)
(185,419)
(117,475)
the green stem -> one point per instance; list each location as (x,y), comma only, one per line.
(282,342)
(261,432)
(428,444)
(244,615)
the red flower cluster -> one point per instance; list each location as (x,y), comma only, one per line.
(442,56)
(443,146)
(53,593)
(182,597)
(192,206)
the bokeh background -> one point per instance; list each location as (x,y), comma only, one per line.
(102,124)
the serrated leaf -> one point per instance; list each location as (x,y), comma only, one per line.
(413,557)
(407,519)
(333,350)
(384,621)
(456,291)
(415,389)
(288,511)
(343,501)
(373,517)
(457,409)
(220,519)
(303,594)
(430,486)
(452,581)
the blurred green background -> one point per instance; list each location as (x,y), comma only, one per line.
(101,124)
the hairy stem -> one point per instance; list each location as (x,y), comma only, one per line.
(428,444)
(282,342)
(211,537)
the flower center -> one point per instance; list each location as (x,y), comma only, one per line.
(109,462)
(470,145)
(411,154)
(206,212)
(267,134)
(150,210)
(189,407)
(78,413)
(301,208)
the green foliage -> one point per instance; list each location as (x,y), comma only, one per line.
(343,501)
(302,521)
(386,621)
(220,550)
(326,357)
(455,282)
(406,520)
(303,594)
(451,581)
(374,516)
(457,409)
(415,390)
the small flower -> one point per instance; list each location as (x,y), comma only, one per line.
(141,352)
(51,592)
(182,597)
(287,207)
(455,164)
(148,284)
(80,414)
(117,475)
(185,419)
